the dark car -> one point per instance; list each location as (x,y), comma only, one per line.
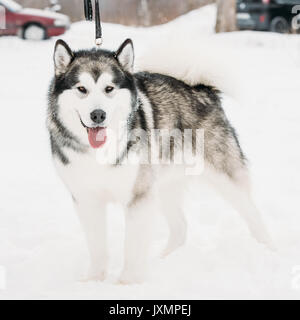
(32,24)
(266,15)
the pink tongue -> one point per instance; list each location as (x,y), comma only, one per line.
(97,137)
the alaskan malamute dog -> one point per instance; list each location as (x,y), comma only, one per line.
(108,129)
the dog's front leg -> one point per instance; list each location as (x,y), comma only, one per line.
(139,225)
(92,215)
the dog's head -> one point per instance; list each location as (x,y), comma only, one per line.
(94,90)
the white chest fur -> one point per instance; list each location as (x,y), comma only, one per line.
(84,176)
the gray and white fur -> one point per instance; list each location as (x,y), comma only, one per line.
(98,88)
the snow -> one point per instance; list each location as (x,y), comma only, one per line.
(41,244)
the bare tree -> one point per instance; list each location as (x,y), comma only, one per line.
(128,12)
(226,16)
(144,12)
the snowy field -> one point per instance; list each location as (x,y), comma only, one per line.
(41,243)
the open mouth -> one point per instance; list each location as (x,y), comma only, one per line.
(97,135)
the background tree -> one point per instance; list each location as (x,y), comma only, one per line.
(226,16)
(128,12)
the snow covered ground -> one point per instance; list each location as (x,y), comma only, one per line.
(41,243)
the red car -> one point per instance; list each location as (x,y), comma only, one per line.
(32,24)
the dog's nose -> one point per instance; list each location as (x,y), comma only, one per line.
(98,116)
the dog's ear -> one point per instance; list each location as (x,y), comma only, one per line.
(63,56)
(125,55)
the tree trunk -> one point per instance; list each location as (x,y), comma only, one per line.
(226,16)
(128,12)
(144,13)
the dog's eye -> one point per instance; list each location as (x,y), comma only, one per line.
(82,90)
(109,89)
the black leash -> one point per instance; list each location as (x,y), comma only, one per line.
(88,11)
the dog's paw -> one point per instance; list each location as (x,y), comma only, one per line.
(170,248)
(166,252)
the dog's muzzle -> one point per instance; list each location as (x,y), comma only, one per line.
(96,135)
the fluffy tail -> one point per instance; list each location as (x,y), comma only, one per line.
(196,61)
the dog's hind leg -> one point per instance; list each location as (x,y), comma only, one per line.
(171,198)
(237,191)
